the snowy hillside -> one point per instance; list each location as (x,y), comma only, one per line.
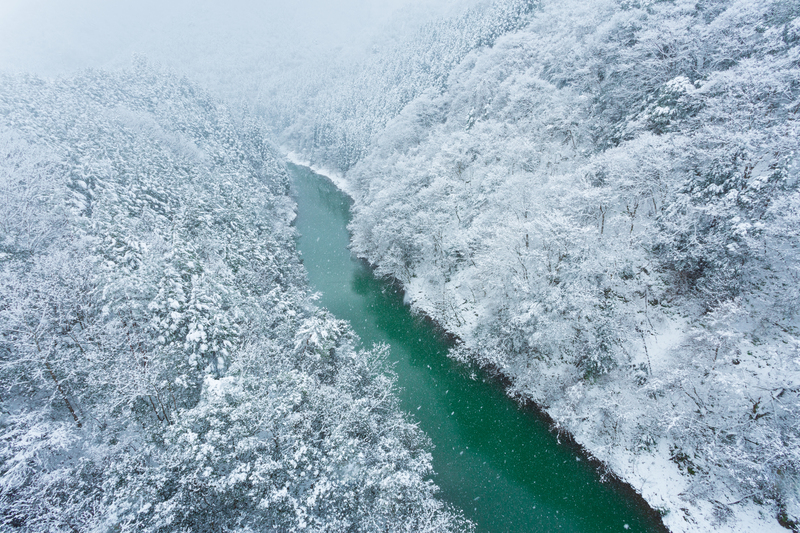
(345,106)
(604,206)
(162,366)
(600,199)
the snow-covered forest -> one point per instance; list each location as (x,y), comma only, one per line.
(603,206)
(163,365)
(599,199)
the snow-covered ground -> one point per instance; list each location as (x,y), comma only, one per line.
(336,177)
(603,204)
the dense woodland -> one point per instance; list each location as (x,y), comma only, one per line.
(601,200)
(603,205)
(163,367)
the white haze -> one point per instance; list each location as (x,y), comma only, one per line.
(229,47)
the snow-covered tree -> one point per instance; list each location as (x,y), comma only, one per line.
(162,365)
(602,205)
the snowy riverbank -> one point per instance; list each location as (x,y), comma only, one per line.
(337,178)
(663,479)
(617,232)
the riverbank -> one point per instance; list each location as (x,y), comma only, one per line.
(495,376)
(617,234)
(656,473)
(503,465)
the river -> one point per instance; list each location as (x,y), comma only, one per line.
(498,463)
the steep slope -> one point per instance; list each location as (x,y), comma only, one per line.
(604,206)
(161,364)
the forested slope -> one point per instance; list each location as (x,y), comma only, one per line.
(344,107)
(604,206)
(162,366)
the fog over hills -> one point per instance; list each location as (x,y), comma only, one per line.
(230,46)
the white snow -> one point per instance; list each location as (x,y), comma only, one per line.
(337,178)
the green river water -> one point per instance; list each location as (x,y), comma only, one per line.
(498,463)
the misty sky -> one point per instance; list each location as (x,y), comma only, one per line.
(227,46)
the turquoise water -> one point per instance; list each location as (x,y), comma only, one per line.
(498,463)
